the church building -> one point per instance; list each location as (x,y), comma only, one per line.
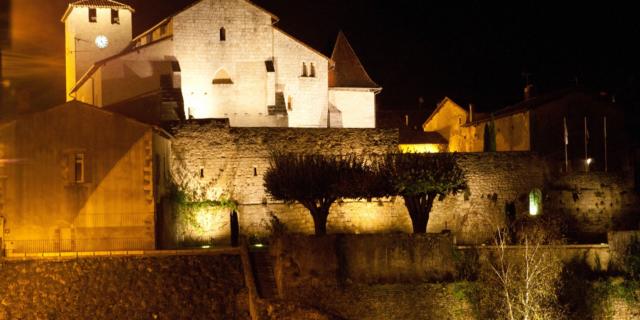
(223,59)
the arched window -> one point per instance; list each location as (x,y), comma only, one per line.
(223,34)
(535,202)
(222,77)
(312,72)
(304,70)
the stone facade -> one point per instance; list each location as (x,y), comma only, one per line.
(133,75)
(216,161)
(598,202)
(229,61)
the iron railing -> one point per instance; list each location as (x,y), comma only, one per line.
(77,245)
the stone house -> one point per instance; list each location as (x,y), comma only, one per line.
(214,59)
(537,124)
(78,178)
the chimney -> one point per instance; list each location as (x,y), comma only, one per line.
(528,92)
(470,112)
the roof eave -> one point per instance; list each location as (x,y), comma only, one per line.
(71,6)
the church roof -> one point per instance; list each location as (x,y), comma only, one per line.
(348,71)
(96,4)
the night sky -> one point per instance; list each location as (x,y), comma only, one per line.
(471,52)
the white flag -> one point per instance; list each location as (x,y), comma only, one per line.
(566,132)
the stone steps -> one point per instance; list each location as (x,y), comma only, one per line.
(263,273)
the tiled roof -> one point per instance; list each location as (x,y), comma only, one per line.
(100,4)
(348,72)
(413,136)
(524,105)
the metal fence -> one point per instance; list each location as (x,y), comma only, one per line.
(77,245)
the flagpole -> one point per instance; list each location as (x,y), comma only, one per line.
(586,154)
(606,164)
(566,142)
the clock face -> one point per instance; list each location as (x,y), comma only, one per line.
(102,42)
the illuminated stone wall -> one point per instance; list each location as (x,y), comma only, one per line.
(352,108)
(214,161)
(251,40)
(129,76)
(308,95)
(298,81)
(170,287)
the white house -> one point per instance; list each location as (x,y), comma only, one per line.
(215,59)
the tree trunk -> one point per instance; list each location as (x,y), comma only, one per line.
(319,213)
(320,223)
(419,208)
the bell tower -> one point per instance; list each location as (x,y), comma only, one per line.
(94,30)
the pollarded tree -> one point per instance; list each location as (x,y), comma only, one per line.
(419,178)
(316,181)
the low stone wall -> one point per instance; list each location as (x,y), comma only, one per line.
(168,287)
(309,261)
(596,257)
(425,301)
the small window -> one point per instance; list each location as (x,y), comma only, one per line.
(304,70)
(290,103)
(93,15)
(79,168)
(312,72)
(535,202)
(255,171)
(201,173)
(163,29)
(149,37)
(223,34)
(115,16)
(270,66)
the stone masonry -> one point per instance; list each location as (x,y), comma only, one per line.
(216,161)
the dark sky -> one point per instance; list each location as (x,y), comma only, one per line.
(469,51)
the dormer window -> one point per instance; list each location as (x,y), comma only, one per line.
(223,34)
(115,16)
(93,15)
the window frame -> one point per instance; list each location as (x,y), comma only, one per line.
(93,15)
(79,167)
(115,16)
(223,34)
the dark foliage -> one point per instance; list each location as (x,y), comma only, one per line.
(419,178)
(317,181)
